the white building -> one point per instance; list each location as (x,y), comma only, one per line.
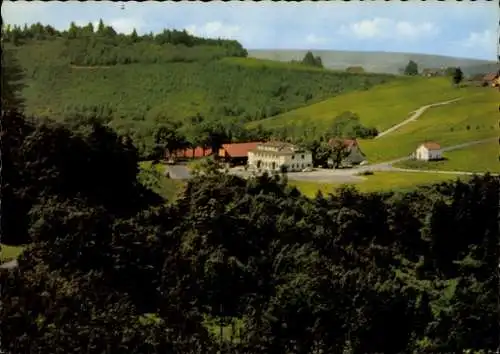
(429,151)
(273,156)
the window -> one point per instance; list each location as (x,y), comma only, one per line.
(293,157)
(302,157)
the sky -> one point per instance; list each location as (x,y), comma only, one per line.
(461,29)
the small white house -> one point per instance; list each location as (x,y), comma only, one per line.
(429,151)
(274,155)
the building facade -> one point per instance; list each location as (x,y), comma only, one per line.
(274,156)
(429,151)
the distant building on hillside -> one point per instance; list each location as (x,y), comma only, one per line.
(428,151)
(491,79)
(355,155)
(275,155)
(236,154)
(432,72)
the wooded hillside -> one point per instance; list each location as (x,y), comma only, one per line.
(137,82)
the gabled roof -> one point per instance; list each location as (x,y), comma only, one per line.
(238,149)
(196,152)
(349,143)
(277,148)
(430,145)
(490,76)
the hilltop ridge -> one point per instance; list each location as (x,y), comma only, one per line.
(377,62)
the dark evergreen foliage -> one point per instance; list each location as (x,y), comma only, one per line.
(108,270)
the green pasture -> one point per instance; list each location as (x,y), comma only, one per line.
(473,118)
(476,158)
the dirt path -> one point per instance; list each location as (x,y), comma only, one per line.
(442,172)
(416,114)
(9,265)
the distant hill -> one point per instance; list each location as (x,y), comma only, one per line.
(377,62)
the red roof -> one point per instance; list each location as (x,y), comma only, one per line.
(190,153)
(347,142)
(238,149)
(430,145)
(490,77)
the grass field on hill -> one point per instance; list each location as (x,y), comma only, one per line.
(152,176)
(248,89)
(476,158)
(9,253)
(378,182)
(472,118)
(382,106)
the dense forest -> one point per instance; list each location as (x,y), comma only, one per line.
(240,266)
(232,265)
(135,83)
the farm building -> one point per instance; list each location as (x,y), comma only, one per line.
(236,154)
(432,72)
(188,153)
(491,79)
(273,156)
(429,151)
(355,155)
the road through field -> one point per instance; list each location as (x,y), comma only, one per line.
(336,176)
(416,114)
(351,174)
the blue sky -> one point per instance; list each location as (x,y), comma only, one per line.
(463,29)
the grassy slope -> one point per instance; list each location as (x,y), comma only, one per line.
(251,87)
(382,106)
(386,105)
(445,124)
(379,181)
(9,253)
(153,177)
(476,158)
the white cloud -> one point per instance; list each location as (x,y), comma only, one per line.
(481,40)
(384,28)
(313,39)
(126,25)
(214,29)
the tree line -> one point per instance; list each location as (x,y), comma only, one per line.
(89,46)
(112,267)
(455,73)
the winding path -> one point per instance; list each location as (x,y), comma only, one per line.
(416,114)
(9,265)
